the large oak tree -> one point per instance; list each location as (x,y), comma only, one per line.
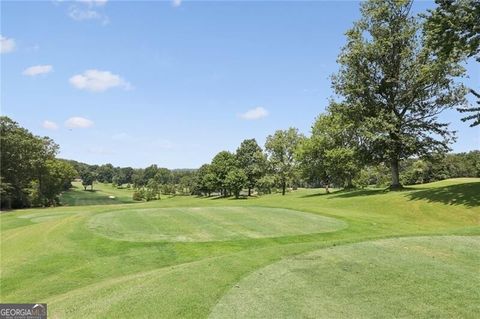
(393,87)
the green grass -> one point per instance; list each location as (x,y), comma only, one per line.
(100,195)
(110,261)
(201,224)
(416,277)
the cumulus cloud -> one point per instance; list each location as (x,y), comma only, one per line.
(98,81)
(6,44)
(37,69)
(88,10)
(176,3)
(49,125)
(78,122)
(254,114)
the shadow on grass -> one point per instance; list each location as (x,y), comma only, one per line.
(467,194)
(321,194)
(355,192)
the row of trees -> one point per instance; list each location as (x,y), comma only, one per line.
(30,175)
(397,73)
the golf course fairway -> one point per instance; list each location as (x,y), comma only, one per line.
(368,253)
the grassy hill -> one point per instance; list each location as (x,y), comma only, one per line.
(363,254)
(102,194)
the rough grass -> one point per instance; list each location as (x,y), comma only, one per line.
(51,255)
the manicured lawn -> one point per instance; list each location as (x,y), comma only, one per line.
(323,256)
(201,224)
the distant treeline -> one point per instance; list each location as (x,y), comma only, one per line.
(32,176)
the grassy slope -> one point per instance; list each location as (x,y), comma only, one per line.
(431,277)
(50,255)
(77,196)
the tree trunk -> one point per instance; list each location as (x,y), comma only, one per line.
(284,187)
(249,191)
(395,174)
(348,182)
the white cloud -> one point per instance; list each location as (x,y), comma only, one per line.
(78,122)
(86,10)
(254,114)
(6,44)
(80,14)
(98,81)
(49,125)
(94,2)
(176,3)
(38,69)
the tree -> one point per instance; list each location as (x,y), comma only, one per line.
(393,88)
(453,32)
(23,158)
(204,180)
(235,181)
(163,176)
(104,173)
(222,163)
(55,178)
(87,179)
(332,153)
(251,159)
(281,148)
(265,184)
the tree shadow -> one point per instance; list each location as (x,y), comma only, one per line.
(348,193)
(321,194)
(467,194)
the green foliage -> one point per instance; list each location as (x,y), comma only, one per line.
(251,159)
(221,165)
(281,148)
(266,184)
(374,175)
(332,153)
(88,178)
(393,87)
(139,194)
(235,181)
(453,32)
(30,174)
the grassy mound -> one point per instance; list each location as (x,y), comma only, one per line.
(420,277)
(190,224)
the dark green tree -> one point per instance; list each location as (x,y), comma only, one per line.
(281,148)
(236,180)
(251,159)
(222,163)
(88,178)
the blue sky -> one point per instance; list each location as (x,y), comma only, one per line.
(173,83)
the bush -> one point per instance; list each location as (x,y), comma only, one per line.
(139,195)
